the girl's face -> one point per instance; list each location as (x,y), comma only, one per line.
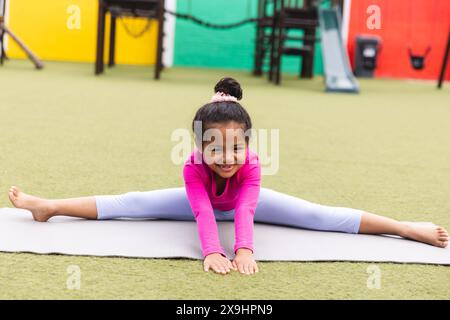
(224,148)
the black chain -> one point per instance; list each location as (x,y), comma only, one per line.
(211,25)
(185,16)
(137,34)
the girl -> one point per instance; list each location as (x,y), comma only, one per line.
(222,182)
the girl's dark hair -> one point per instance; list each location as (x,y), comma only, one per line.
(229,86)
(224,111)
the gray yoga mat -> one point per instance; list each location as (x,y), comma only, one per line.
(170,239)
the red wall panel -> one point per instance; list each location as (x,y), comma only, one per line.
(415,23)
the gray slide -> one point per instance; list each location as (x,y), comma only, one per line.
(337,70)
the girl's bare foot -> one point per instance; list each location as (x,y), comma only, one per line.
(42,209)
(434,235)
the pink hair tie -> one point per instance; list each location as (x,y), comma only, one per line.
(221,96)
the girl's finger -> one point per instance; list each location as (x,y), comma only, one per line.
(213,266)
(246,269)
(256,268)
(250,268)
(241,268)
(221,269)
(233,266)
(224,265)
(206,267)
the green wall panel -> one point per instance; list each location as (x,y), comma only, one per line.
(199,46)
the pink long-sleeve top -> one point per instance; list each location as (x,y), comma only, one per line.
(241,194)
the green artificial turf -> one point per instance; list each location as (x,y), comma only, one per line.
(67,133)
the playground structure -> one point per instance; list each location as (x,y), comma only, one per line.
(290,16)
(149,9)
(275,19)
(444,62)
(4,30)
(337,70)
(283,28)
(303,16)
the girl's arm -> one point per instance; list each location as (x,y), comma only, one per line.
(245,207)
(203,211)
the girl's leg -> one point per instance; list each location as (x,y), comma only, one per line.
(278,208)
(163,204)
(171,203)
(44,209)
(376,224)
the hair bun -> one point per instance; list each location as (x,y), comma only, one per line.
(229,86)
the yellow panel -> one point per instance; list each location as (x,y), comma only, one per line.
(50,29)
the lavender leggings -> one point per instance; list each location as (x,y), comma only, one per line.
(273,207)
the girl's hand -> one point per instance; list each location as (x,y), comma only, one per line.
(218,263)
(244,261)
